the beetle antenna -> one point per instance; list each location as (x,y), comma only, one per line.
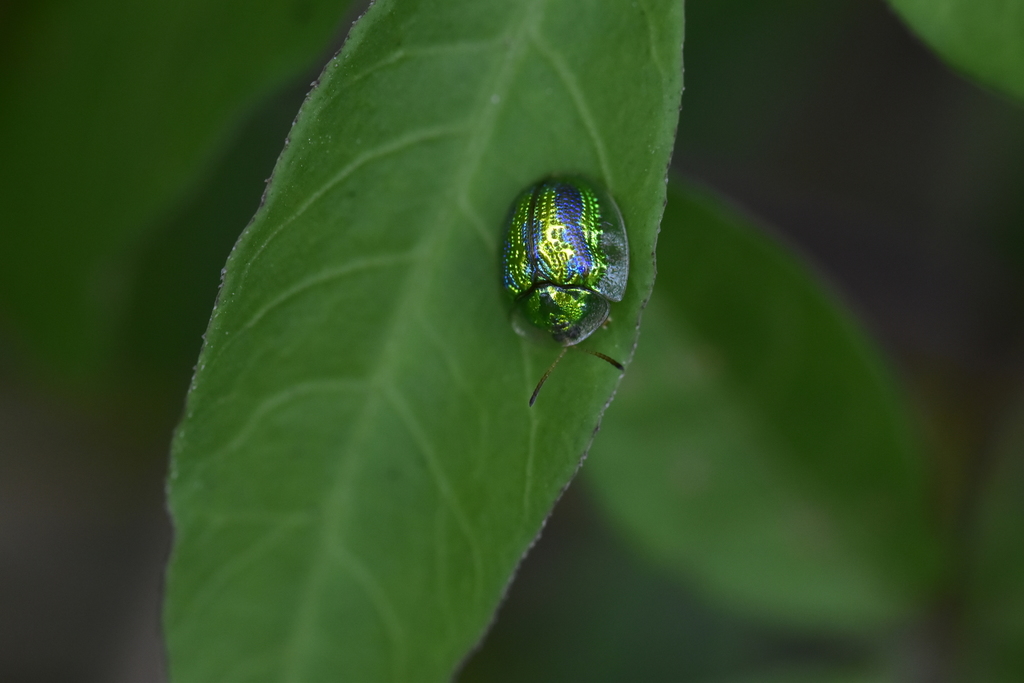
(545,377)
(600,355)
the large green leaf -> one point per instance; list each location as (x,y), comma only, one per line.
(982,38)
(358,472)
(995,585)
(109,109)
(758,447)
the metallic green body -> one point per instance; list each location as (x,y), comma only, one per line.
(565,257)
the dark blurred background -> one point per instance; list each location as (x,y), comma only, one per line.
(898,179)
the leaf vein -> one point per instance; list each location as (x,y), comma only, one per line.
(403,143)
(440,479)
(451,363)
(378,596)
(484,128)
(323,277)
(571,83)
(486,236)
(306,614)
(333,510)
(211,587)
(652,37)
(272,403)
(414,51)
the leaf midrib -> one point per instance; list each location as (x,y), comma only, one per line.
(303,628)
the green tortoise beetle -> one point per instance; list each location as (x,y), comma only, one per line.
(564,258)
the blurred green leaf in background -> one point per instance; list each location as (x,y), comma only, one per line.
(983,38)
(759,446)
(113,111)
(995,579)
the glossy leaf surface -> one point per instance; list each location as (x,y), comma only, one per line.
(758,447)
(358,472)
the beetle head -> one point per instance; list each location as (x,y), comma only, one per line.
(568,314)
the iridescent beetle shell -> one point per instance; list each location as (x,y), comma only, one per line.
(565,257)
